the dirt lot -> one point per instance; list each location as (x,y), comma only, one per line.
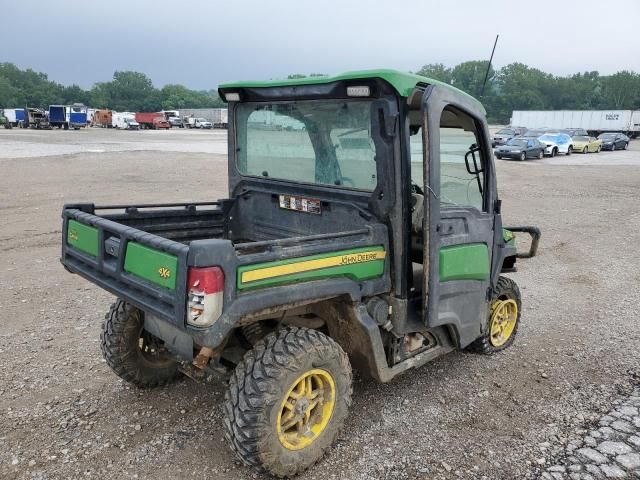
(65,415)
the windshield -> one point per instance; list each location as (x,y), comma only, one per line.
(518,142)
(506,131)
(325,142)
(607,135)
(581,138)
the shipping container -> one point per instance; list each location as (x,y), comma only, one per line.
(594,121)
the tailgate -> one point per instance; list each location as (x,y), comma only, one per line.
(144,269)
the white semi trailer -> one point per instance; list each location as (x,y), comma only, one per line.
(594,121)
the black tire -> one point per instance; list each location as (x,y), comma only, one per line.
(523,156)
(569,150)
(498,157)
(141,363)
(585,150)
(254,399)
(554,152)
(626,145)
(506,289)
(613,147)
(540,154)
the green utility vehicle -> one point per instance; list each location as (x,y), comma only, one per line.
(363,227)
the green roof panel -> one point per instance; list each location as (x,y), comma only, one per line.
(402,82)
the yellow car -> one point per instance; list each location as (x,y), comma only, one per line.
(584,144)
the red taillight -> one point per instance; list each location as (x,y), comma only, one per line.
(206,280)
(205,287)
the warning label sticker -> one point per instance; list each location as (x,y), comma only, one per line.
(300,204)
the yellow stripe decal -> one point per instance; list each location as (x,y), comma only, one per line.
(308,265)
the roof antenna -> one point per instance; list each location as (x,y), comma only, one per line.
(486,75)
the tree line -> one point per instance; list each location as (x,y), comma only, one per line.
(519,87)
(127,91)
(513,87)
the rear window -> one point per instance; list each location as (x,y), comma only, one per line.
(328,142)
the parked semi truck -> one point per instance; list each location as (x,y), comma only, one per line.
(37,118)
(15,116)
(59,116)
(220,118)
(78,116)
(594,121)
(152,120)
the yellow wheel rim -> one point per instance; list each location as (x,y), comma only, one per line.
(306,409)
(504,315)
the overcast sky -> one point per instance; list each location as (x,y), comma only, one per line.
(201,43)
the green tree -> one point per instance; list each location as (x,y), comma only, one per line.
(469,76)
(437,71)
(132,91)
(621,90)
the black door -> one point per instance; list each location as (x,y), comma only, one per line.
(459,220)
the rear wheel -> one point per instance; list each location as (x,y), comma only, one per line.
(503,318)
(133,353)
(569,150)
(287,401)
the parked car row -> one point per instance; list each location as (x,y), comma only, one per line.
(521,144)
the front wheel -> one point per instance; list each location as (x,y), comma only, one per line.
(503,318)
(523,156)
(133,353)
(626,145)
(569,150)
(585,150)
(287,401)
(613,147)
(540,154)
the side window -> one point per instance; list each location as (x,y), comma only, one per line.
(461,178)
(461,162)
(417,176)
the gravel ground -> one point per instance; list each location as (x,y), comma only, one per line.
(611,449)
(512,415)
